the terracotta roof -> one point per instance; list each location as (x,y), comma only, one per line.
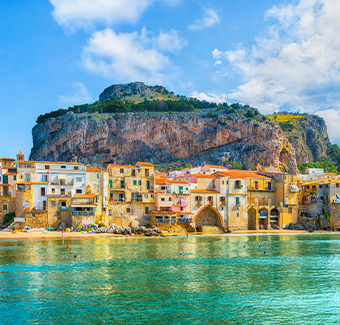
(83,196)
(55,162)
(92,169)
(5,158)
(114,165)
(144,163)
(204,175)
(213,166)
(7,167)
(233,174)
(160,181)
(203,191)
(176,182)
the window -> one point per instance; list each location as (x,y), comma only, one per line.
(63,166)
(43,191)
(291,179)
(237,184)
(146,196)
(290,210)
(138,170)
(134,182)
(110,183)
(121,170)
(47,166)
(285,177)
(44,178)
(256,185)
(237,214)
(133,172)
(210,198)
(4,207)
(337,184)
(148,185)
(44,205)
(122,184)
(198,198)
(53,190)
(237,200)
(79,191)
(162,199)
(222,182)
(147,210)
(15,177)
(79,179)
(128,210)
(170,199)
(146,172)
(269,186)
(181,208)
(286,200)
(139,182)
(110,212)
(111,196)
(33,215)
(62,191)
(20,187)
(222,199)
(291,201)
(152,196)
(76,168)
(53,203)
(98,176)
(28,177)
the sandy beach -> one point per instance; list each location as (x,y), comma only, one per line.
(78,235)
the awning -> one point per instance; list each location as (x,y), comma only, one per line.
(83,205)
(61,176)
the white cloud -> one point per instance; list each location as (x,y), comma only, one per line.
(84,14)
(80,95)
(209,97)
(126,57)
(332,118)
(209,19)
(297,61)
(169,42)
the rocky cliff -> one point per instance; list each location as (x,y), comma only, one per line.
(127,138)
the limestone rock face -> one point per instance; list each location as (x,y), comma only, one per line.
(127,138)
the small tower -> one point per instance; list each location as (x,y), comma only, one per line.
(258,167)
(20,156)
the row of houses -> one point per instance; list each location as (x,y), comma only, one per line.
(47,193)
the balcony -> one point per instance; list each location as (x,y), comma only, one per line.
(184,220)
(117,200)
(63,208)
(83,213)
(210,202)
(266,189)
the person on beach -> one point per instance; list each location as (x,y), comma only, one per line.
(62,233)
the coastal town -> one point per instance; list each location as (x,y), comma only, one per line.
(208,198)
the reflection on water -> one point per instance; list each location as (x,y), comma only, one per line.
(217,280)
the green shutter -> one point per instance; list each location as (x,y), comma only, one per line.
(148,185)
(5,179)
(15,177)
(139,182)
(134,182)
(110,182)
(237,200)
(122,184)
(180,188)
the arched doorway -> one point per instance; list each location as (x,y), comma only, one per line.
(274,217)
(251,219)
(263,218)
(208,216)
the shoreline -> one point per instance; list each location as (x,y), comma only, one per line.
(79,235)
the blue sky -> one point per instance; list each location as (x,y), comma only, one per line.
(272,55)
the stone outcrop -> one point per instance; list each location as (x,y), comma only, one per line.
(127,138)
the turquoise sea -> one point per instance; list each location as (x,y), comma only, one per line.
(147,281)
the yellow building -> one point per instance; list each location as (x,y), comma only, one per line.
(131,193)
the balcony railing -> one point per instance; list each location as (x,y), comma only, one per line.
(83,213)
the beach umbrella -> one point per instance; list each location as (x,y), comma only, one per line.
(27,227)
(49,228)
(93,226)
(14,226)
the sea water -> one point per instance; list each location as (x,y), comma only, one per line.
(216,280)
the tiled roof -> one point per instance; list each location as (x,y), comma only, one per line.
(203,191)
(144,163)
(92,169)
(213,166)
(84,196)
(204,175)
(238,174)
(114,165)
(177,182)
(160,181)
(5,158)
